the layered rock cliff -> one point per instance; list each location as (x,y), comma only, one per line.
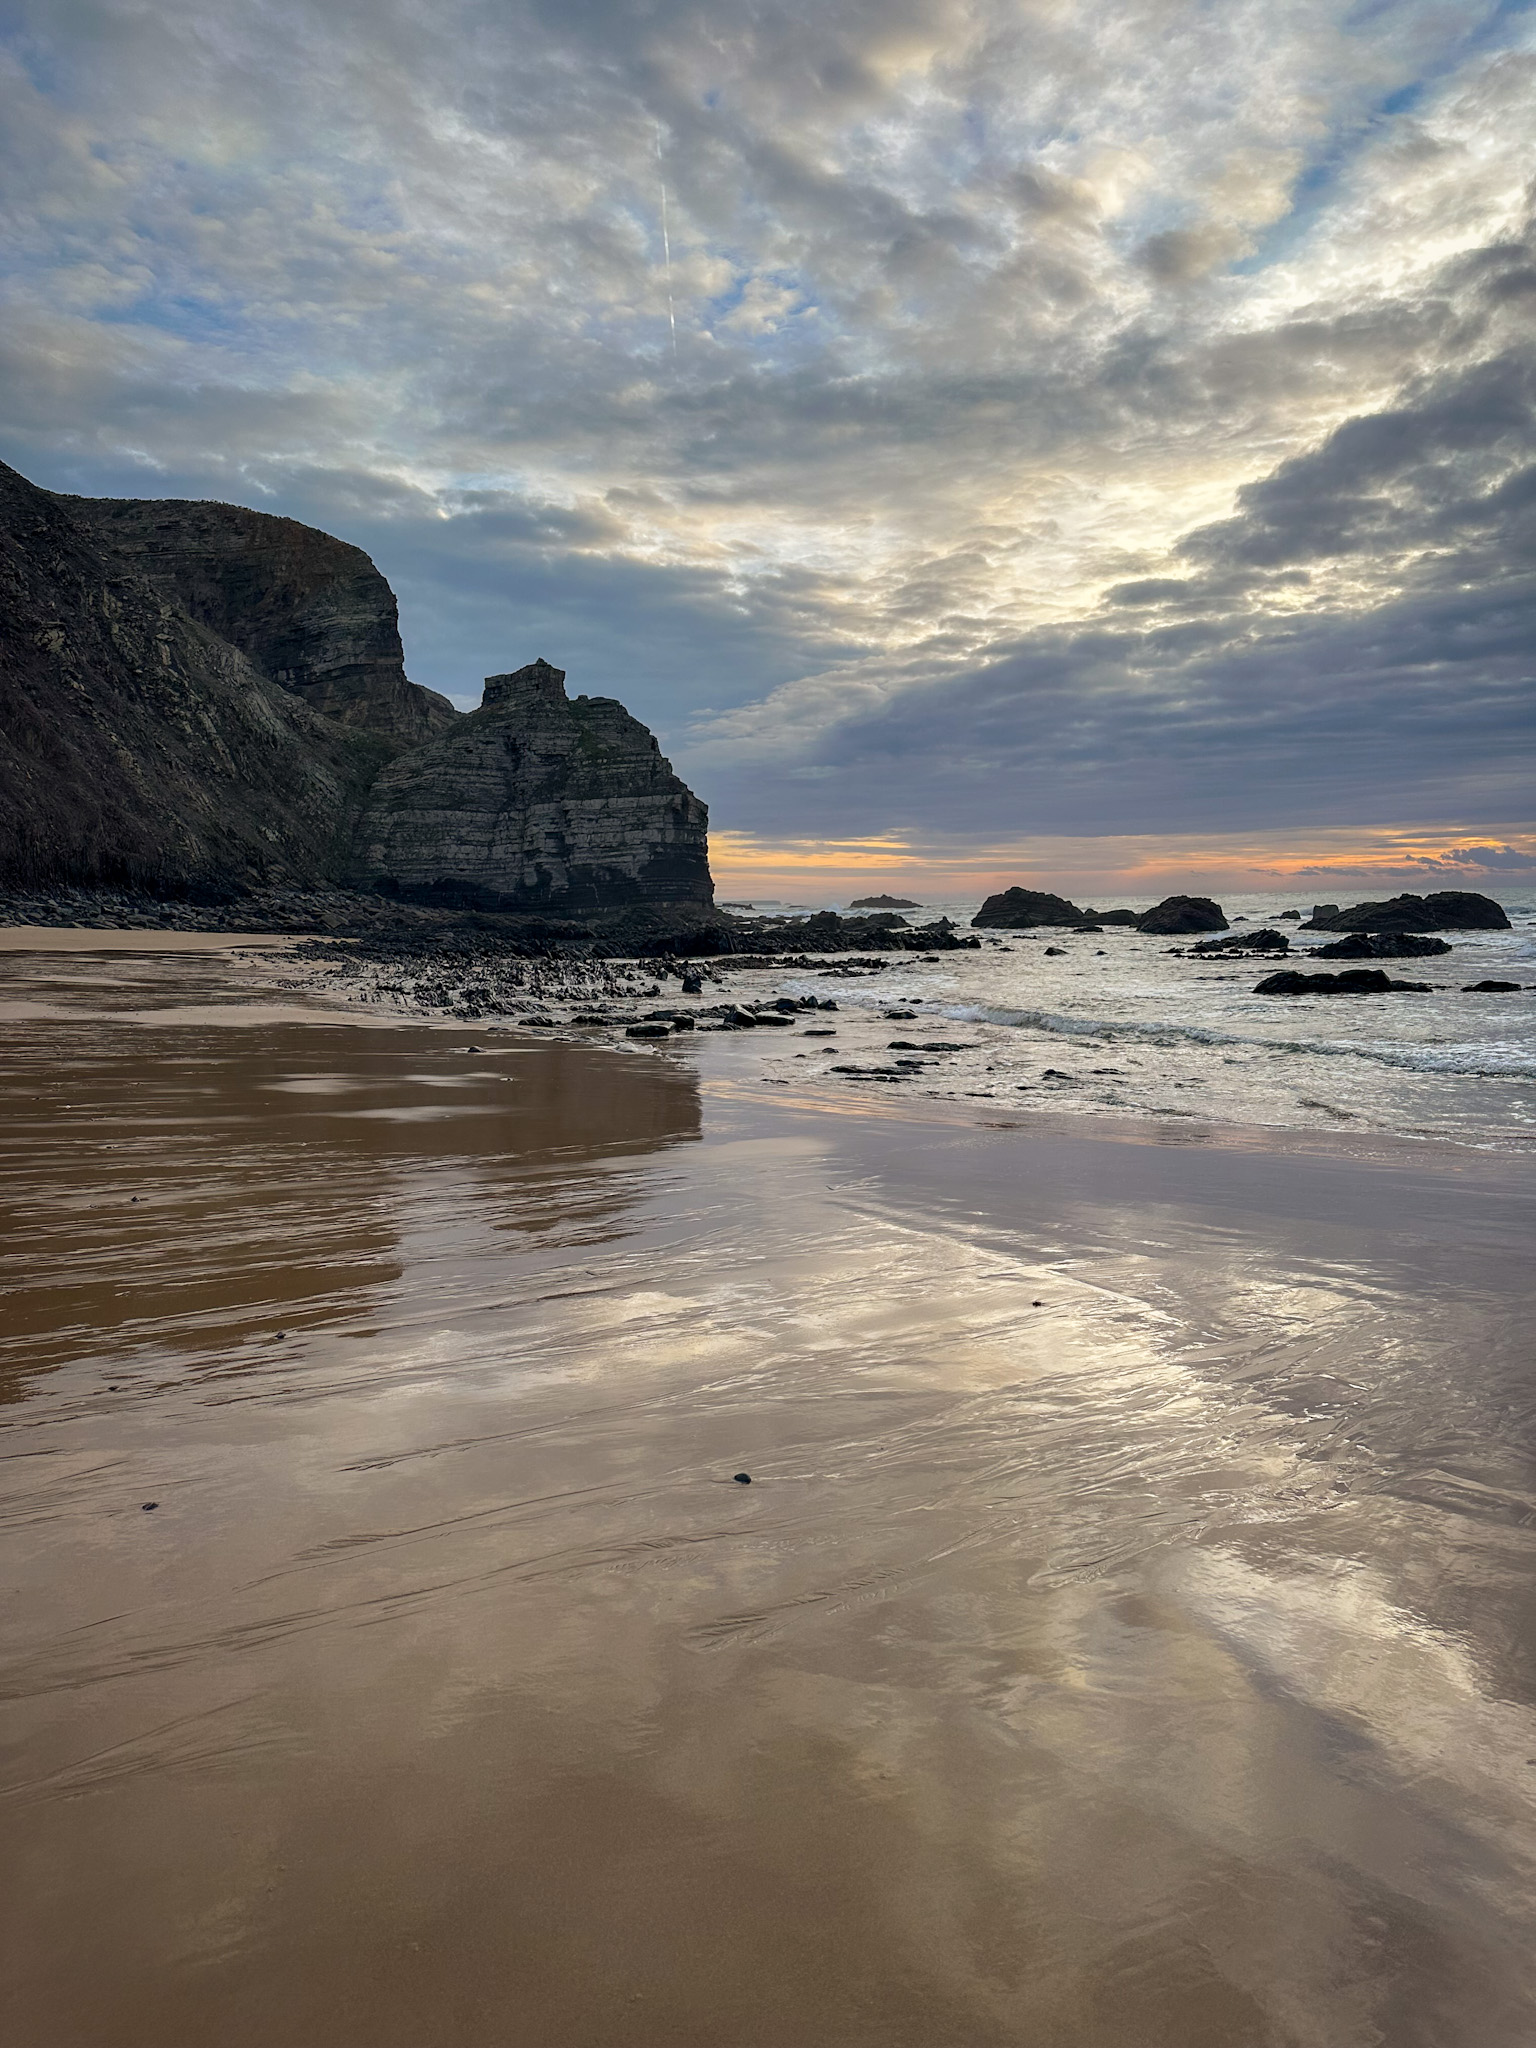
(310,611)
(198,698)
(538,801)
(137,746)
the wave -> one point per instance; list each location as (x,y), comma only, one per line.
(1465,1062)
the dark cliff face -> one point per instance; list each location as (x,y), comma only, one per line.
(311,612)
(135,745)
(199,698)
(538,800)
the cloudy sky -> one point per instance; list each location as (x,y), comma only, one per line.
(985,439)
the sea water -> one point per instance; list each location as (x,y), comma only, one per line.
(1122,1024)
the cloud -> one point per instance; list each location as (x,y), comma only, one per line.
(1098,412)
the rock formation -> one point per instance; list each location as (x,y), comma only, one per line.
(197,700)
(311,612)
(1176,916)
(1266,941)
(538,801)
(1444,910)
(884,903)
(1016,910)
(1354,981)
(136,746)
(1382,946)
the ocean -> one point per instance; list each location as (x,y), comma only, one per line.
(1126,1026)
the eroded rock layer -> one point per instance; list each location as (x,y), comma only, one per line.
(538,801)
(311,612)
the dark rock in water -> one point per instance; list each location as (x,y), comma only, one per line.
(1103,917)
(648,1031)
(1245,942)
(1289,913)
(1354,981)
(1177,915)
(884,903)
(1383,946)
(1443,910)
(692,985)
(1016,910)
(149,1506)
(1491,988)
(742,1478)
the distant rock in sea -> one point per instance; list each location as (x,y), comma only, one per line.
(1354,981)
(884,903)
(1265,941)
(1177,916)
(1016,910)
(1383,946)
(1444,910)
(537,801)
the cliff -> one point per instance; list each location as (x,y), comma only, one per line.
(538,801)
(137,746)
(312,613)
(195,698)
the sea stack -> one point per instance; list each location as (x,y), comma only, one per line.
(537,801)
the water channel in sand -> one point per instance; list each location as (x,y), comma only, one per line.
(1127,1638)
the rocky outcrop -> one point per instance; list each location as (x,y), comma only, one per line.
(310,612)
(138,747)
(537,801)
(884,903)
(1354,981)
(1443,910)
(1383,946)
(1266,941)
(1016,910)
(1176,916)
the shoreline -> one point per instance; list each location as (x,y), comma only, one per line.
(1134,1565)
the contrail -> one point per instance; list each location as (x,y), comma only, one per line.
(666,244)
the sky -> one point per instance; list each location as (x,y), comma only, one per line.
(1084,444)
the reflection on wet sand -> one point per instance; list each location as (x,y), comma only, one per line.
(1125,1640)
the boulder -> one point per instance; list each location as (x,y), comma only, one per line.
(1177,915)
(1491,988)
(1354,981)
(884,903)
(1017,910)
(1245,942)
(537,801)
(1103,917)
(1383,946)
(1443,910)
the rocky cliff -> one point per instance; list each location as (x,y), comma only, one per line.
(137,746)
(199,699)
(538,801)
(311,612)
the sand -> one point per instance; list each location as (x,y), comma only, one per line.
(1125,1640)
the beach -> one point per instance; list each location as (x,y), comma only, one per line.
(1125,1639)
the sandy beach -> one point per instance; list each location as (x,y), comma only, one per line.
(1125,1641)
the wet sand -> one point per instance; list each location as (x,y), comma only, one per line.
(1126,1640)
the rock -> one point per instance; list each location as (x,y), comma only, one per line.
(538,800)
(1016,910)
(692,985)
(1443,910)
(635,1030)
(1382,946)
(1104,917)
(1491,988)
(742,1478)
(1289,913)
(1354,981)
(1245,942)
(310,612)
(1058,950)
(884,903)
(136,746)
(1177,915)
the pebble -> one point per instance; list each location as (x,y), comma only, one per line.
(742,1478)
